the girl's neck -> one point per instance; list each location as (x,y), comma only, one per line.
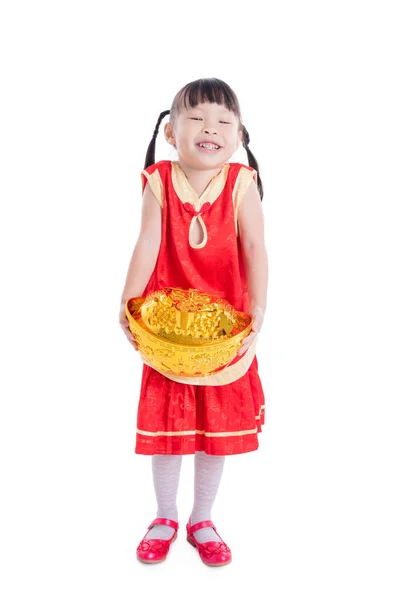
(199,178)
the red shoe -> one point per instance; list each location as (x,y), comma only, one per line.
(155,551)
(213,554)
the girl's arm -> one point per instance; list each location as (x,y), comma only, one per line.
(251,231)
(147,247)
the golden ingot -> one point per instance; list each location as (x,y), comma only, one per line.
(186,332)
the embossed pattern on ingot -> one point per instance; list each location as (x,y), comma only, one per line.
(200,337)
(187,316)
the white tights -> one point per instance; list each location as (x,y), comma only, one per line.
(207,476)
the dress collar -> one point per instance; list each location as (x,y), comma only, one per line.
(186,193)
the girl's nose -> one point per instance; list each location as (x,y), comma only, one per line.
(209,129)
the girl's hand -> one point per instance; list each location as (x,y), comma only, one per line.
(123,321)
(258,316)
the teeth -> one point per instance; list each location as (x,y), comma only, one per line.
(209,146)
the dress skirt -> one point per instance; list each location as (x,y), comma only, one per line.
(180,418)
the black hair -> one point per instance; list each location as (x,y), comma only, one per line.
(197,92)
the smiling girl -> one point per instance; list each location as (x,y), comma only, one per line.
(202,227)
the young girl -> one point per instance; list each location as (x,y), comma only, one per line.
(202,227)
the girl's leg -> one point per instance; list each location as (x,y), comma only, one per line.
(166,472)
(207,476)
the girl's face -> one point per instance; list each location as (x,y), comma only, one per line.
(205,136)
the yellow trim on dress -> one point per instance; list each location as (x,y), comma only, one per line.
(227,433)
(155,182)
(204,228)
(242,183)
(186,193)
(205,433)
(166,433)
(199,432)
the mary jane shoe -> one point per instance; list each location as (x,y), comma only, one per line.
(153,551)
(213,554)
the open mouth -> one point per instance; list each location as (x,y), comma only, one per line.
(208,146)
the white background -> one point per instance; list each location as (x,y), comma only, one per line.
(314,512)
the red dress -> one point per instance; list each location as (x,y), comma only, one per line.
(183,415)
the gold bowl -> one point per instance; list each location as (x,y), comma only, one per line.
(186,332)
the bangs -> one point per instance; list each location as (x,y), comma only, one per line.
(208,90)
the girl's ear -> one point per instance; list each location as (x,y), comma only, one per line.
(169,134)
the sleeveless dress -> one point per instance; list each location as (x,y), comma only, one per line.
(220,414)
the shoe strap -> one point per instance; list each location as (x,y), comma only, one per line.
(162,521)
(201,525)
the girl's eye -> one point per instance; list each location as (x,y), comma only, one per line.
(200,119)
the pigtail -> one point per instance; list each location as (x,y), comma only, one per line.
(252,161)
(150,155)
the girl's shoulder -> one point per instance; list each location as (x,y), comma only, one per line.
(241,166)
(242,175)
(161,165)
(155,175)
